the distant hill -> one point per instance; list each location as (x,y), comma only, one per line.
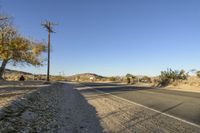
(9,71)
(85,77)
(15,74)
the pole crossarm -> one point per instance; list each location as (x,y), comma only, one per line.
(49,26)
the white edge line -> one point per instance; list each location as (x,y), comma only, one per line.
(185,121)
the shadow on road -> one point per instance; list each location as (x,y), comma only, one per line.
(120,88)
(109,88)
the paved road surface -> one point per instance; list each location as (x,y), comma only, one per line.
(183,105)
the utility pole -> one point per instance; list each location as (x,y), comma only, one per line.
(49,27)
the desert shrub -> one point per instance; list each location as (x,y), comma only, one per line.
(146,79)
(77,78)
(129,75)
(58,78)
(198,74)
(112,78)
(170,76)
(130,78)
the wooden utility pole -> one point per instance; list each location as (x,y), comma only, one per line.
(49,27)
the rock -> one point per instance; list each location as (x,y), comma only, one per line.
(28,115)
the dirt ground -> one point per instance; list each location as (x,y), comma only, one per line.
(184,87)
(34,107)
(12,90)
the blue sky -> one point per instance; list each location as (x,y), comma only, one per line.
(113,37)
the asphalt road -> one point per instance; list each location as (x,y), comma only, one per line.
(183,105)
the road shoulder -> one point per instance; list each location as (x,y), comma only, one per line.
(56,108)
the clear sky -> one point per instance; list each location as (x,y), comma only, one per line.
(113,37)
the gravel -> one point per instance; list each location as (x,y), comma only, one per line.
(52,109)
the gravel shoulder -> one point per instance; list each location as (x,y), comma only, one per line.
(56,108)
(13,90)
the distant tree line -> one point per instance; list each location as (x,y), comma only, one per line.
(131,79)
(165,78)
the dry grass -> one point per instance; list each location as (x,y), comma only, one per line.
(191,84)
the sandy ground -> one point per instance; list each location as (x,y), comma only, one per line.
(57,108)
(12,90)
(117,116)
(180,87)
(184,88)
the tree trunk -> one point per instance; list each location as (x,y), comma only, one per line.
(2,68)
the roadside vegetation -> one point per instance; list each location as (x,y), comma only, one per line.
(170,76)
(17,49)
(198,74)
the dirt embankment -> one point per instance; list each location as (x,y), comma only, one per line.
(55,108)
(192,84)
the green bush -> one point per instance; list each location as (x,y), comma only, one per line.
(170,76)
